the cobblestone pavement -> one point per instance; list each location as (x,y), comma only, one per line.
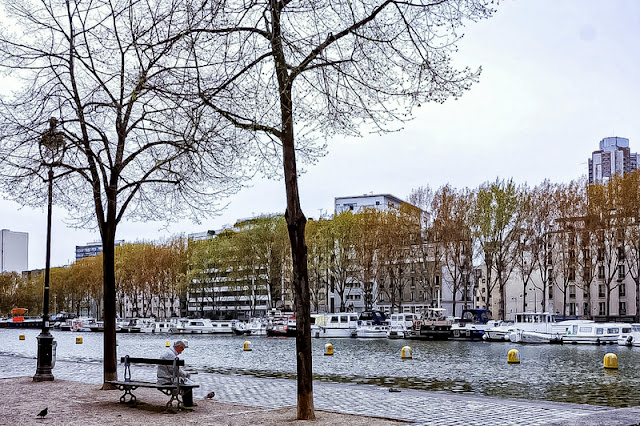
(413,406)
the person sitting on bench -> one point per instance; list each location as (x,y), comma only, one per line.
(165,372)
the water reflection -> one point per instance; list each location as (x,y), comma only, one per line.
(566,373)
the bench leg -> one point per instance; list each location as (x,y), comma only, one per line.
(175,396)
(132,397)
(187,398)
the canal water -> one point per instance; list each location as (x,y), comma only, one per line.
(564,373)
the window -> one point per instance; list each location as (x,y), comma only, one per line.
(585,254)
(572,274)
(601,290)
(572,254)
(602,308)
(413,282)
(620,253)
(622,290)
(586,274)
(572,292)
(572,308)
(621,272)
(586,308)
(601,253)
(550,290)
(601,272)
(623,308)
(413,296)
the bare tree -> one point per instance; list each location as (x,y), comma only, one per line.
(451,225)
(100,69)
(292,74)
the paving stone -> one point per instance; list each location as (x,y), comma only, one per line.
(413,406)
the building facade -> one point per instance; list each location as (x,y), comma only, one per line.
(358,202)
(92,249)
(614,156)
(14,251)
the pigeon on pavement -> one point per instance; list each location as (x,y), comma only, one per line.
(43,413)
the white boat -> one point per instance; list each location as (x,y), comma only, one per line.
(164,325)
(534,327)
(629,334)
(370,330)
(341,324)
(400,325)
(76,324)
(222,326)
(594,333)
(256,327)
(138,325)
(523,336)
(499,333)
(472,324)
(194,326)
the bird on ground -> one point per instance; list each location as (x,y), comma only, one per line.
(211,395)
(43,413)
(394,390)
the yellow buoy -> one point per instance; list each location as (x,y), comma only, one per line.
(406,352)
(78,340)
(167,344)
(328,349)
(610,361)
(21,337)
(513,357)
(246,346)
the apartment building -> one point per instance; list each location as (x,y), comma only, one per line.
(614,156)
(14,251)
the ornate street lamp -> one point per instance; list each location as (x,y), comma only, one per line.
(51,152)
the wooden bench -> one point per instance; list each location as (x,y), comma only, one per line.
(176,389)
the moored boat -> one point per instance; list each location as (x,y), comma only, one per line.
(342,324)
(472,324)
(367,329)
(594,333)
(400,325)
(432,326)
(499,333)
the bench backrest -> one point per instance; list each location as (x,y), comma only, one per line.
(155,361)
(127,361)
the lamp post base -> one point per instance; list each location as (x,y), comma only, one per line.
(45,355)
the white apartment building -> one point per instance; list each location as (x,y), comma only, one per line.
(358,202)
(14,251)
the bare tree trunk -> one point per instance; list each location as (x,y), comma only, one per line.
(108,265)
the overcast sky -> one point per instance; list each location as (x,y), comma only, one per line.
(558,76)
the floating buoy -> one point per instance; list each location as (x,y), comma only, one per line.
(328,349)
(21,337)
(246,346)
(167,344)
(513,357)
(406,352)
(78,340)
(610,361)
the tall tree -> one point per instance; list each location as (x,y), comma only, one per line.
(497,220)
(291,72)
(451,226)
(100,69)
